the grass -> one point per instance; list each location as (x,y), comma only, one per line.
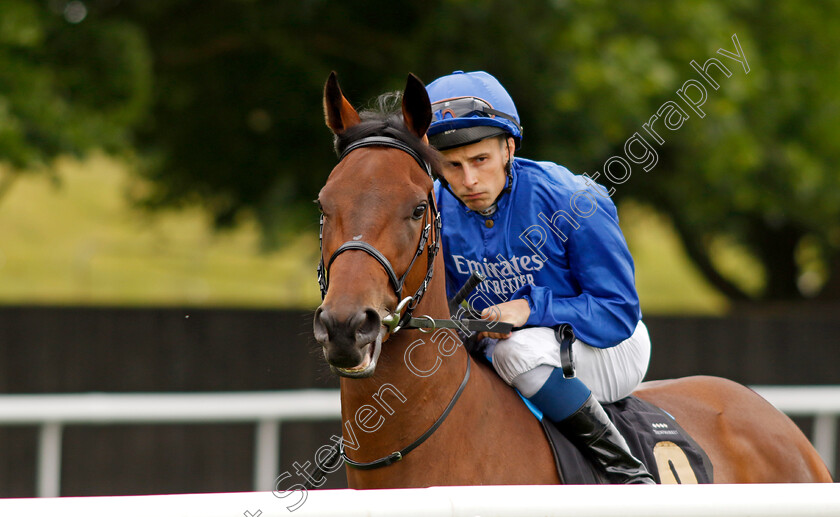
(79,241)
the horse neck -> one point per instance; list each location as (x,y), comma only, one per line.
(415,366)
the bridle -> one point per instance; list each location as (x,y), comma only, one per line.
(405,308)
(402,315)
(402,318)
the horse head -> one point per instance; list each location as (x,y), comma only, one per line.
(377,210)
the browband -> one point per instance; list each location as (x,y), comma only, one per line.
(387,141)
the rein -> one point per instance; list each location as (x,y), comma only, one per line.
(337,451)
(398,455)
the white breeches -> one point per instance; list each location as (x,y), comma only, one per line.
(611,373)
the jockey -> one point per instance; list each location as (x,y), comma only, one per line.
(552,252)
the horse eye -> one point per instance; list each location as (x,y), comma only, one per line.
(419,210)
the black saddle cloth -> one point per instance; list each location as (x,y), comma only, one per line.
(669,453)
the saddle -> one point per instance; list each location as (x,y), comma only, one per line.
(655,438)
(670,454)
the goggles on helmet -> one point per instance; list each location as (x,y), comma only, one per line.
(468,107)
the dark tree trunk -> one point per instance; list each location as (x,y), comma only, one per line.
(699,255)
(776,248)
(831,289)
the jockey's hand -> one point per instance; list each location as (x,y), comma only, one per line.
(514,311)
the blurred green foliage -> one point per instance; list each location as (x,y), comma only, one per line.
(228,113)
(66,88)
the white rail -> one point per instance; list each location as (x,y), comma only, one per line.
(269,409)
(786,500)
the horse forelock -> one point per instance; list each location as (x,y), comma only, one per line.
(390,124)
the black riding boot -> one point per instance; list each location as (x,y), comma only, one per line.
(597,437)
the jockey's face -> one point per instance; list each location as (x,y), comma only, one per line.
(476,172)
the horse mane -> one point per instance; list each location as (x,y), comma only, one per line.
(386,119)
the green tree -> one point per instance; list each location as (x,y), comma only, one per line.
(69,83)
(235,121)
(757,169)
(236,124)
(237,108)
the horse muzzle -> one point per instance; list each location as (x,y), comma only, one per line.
(352,344)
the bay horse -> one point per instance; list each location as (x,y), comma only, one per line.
(451,419)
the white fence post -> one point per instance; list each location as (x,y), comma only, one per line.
(266,455)
(49,460)
(825,439)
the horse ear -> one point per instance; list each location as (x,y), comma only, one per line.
(416,108)
(338,113)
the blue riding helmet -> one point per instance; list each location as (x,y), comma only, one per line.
(468,107)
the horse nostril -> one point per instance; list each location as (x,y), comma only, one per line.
(369,327)
(360,328)
(322,322)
